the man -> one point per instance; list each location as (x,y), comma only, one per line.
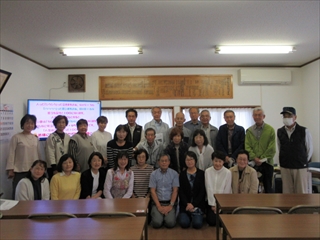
(210,131)
(164,184)
(295,150)
(230,138)
(179,120)
(154,148)
(260,142)
(136,133)
(160,127)
(194,123)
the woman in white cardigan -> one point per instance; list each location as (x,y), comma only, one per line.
(201,147)
(35,186)
(217,180)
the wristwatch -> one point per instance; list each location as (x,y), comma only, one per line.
(172,204)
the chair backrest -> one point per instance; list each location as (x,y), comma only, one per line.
(304,209)
(51,215)
(256,210)
(111,214)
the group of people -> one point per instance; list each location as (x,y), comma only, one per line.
(186,164)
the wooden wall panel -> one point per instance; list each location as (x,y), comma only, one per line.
(165,87)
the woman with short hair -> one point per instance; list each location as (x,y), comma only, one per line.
(66,183)
(35,186)
(142,171)
(100,138)
(244,177)
(177,149)
(119,180)
(201,147)
(119,143)
(92,180)
(57,144)
(80,146)
(191,193)
(23,151)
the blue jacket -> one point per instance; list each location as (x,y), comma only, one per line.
(237,140)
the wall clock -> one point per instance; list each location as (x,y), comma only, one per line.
(77,83)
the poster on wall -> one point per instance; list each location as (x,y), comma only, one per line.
(6,122)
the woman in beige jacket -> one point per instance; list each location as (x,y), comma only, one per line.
(244,177)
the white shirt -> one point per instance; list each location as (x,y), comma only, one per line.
(217,181)
(100,140)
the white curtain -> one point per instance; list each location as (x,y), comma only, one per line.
(243,116)
(118,116)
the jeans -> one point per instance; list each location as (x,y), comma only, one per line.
(186,218)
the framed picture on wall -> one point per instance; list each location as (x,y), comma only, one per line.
(4,77)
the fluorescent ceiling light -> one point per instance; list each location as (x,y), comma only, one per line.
(101,51)
(254,49)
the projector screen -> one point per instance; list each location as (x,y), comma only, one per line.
(47,110)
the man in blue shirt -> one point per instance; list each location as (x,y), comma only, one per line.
(164,184)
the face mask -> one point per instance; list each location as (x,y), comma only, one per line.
(288,121)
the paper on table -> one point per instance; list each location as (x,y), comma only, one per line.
(7,204)
(263,160)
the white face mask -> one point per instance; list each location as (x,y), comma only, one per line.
(288,121)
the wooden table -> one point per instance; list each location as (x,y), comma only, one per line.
(80,208)
(228,202)
(72,228)
(271,226)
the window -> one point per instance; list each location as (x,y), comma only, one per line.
(243,116)
(117,116)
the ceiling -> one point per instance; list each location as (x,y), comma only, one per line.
(171,33)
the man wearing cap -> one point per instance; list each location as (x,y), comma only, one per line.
(260,142)
(295,150)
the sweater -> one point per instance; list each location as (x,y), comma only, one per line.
(207,161)
(23,151)
(217,181)
(63,187)
(265,147)
(56,147)
(24,190)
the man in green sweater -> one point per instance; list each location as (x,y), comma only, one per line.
(260,142)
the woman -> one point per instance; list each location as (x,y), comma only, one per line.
(142,172)
(100,138)
(80,146)
(218,180)
(23,151)
(92,180)
(57,144)
(119,180)
(177,149)
(191,193)
(244,177)
(119,143)
(66,183)
(200,146)
(35,186)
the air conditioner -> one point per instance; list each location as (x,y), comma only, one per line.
(266,76)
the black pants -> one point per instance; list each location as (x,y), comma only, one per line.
(211,217)
(267,175)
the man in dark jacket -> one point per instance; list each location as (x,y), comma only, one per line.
(230,138)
